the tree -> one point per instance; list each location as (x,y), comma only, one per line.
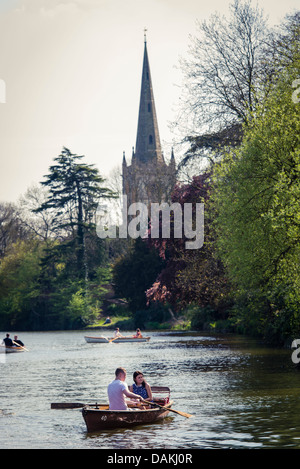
(192,276)
(19,284)
(75,189)
(135,272)
(257,195)
(225,78)
(11,227)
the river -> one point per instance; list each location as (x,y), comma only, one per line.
(241,394)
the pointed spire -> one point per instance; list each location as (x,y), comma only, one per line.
(148,145)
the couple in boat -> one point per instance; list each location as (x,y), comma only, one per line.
(118,390)
(8,342)
(138,334)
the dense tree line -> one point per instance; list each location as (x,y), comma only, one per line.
(53,265)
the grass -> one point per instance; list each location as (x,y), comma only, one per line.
(115,321)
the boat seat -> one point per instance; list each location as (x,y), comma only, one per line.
(160,389)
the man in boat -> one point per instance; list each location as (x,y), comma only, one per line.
(18,342)
(117,390)
(117,333)
(7,341)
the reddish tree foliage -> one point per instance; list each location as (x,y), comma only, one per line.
(190,276)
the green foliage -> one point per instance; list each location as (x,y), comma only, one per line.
(257,197)
(19,273)
(135,272)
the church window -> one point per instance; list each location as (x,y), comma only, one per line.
(150,139)
(149,107)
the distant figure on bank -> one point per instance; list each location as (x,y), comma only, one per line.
(18,342)
(117,390)
(138,334)
(7,341)
(140,386)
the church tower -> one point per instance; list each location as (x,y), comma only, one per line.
(148,178)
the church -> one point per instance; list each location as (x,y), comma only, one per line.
(148,178)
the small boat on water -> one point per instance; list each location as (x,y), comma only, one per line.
(13,349)
(119,340)
(99,417)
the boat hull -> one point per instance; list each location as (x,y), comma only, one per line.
(119,340)
(101,419)
(4,349)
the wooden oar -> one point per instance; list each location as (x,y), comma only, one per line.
(20,346)
(73,405)
(184,414)
(111,340)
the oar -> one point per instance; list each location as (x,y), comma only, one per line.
(111,340)
(20,346)
(184,414)
(73,405)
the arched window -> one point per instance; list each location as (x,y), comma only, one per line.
(149,107)
(150,139)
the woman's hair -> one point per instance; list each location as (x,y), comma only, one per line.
(135,374)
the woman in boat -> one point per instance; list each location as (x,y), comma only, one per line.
(138,334)
(141,387)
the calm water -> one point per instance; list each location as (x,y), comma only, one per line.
(242,394)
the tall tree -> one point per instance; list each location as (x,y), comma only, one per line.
(75,189)
(225,74)
(257,199)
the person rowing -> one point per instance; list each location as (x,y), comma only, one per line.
(118,389)
(7,341)
(18,342)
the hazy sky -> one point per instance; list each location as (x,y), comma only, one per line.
(72,73)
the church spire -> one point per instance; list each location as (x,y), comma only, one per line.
(148,147)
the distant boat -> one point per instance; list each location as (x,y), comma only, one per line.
(102,340)
(13,349)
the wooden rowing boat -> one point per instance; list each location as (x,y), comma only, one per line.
(13,349)
(119,340)
(99,418)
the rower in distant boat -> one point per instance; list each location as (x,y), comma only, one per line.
(7,341)
(138,334)
(117,333)
(18,342)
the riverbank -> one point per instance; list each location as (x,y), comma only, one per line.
(129,323)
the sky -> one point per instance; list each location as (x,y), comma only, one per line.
(70,76)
